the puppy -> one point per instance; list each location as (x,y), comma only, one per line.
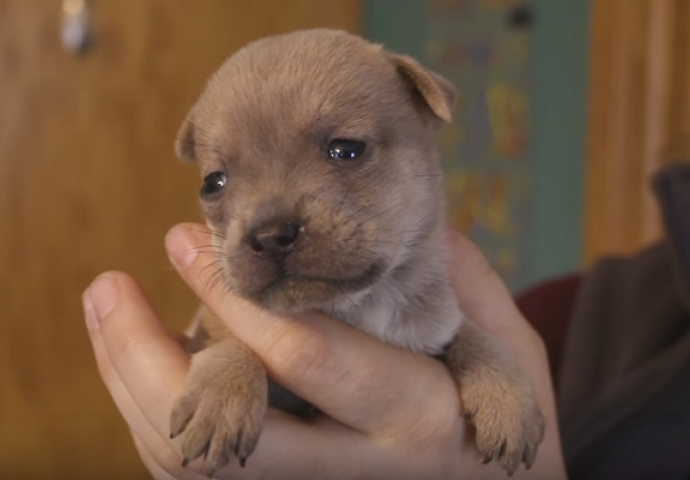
(322,184)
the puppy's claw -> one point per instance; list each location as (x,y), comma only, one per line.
(528,457)
(182,414)
(502,449)
(185,461)
(238,443)
(243,461)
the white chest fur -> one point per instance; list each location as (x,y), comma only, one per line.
(419,316)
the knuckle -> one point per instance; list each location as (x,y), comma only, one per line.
(297,352)
(122,344)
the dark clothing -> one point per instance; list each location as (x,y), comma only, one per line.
(624,383)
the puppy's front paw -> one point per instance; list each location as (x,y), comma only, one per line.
(496,397)
(220,413)
(509,425)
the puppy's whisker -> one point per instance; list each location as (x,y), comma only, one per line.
(210,232)
(346,294)
(217,264)
(226,290)
(210,251)
(376,241)
(379,255)
(214,253)
(411,230)
(209,281)
(379,214)
(215,279)
(218,257)
(428,175)
(214,247)
(342,202)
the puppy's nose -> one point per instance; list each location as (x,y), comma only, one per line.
(274,239)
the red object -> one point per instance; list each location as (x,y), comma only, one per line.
(548,307)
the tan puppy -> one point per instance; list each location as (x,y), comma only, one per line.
(323,187)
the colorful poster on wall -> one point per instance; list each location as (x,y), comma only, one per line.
(515,151)
(483,47)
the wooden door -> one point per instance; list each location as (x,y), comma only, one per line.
(639,117)
(89,182)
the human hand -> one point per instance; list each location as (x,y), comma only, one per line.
(388,413)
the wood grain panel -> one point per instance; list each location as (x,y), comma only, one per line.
(679,145)
(615,140)
(639,117)
(88,182)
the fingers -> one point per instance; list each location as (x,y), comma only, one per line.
(336,367)
(484,297)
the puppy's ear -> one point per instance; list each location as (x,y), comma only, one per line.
(185,143)
(438,92)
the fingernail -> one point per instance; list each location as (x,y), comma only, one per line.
(179,245)
(104,296)
(89,312)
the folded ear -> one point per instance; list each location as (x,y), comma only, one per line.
(438,92)
(185,143)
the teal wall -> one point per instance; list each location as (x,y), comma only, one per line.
(553,223)
(559,108)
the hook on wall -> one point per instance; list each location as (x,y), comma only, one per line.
(76,31)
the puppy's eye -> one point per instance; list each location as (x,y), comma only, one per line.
(213,183)
(343,149)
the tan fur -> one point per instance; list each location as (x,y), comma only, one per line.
(370,244)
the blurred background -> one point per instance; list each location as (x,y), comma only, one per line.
(565,108)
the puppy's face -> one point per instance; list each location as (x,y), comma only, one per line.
(318,165)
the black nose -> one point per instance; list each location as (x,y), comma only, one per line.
(274,239)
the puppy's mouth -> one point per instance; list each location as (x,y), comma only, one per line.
(293,290)
(359,282)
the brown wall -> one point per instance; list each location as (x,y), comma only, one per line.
(88,182)
(639,116)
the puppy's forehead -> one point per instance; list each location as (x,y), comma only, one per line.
(303,80)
